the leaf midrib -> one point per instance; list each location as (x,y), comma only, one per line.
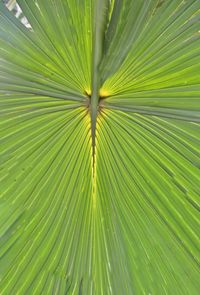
(101,16)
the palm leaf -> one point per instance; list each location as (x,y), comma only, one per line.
(100,149)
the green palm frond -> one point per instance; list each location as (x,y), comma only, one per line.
(100,147)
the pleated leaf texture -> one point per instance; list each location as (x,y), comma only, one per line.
(100,148)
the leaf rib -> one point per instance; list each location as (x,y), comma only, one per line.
(101,14)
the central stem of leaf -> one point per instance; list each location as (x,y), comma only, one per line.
(101,12)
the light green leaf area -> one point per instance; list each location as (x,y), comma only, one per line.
(100,148)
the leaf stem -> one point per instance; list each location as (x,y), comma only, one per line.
(101,14)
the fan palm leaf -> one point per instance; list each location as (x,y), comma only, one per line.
(100,148)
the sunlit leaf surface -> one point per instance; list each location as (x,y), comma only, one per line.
(100,147)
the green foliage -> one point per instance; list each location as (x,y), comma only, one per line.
(100,148)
